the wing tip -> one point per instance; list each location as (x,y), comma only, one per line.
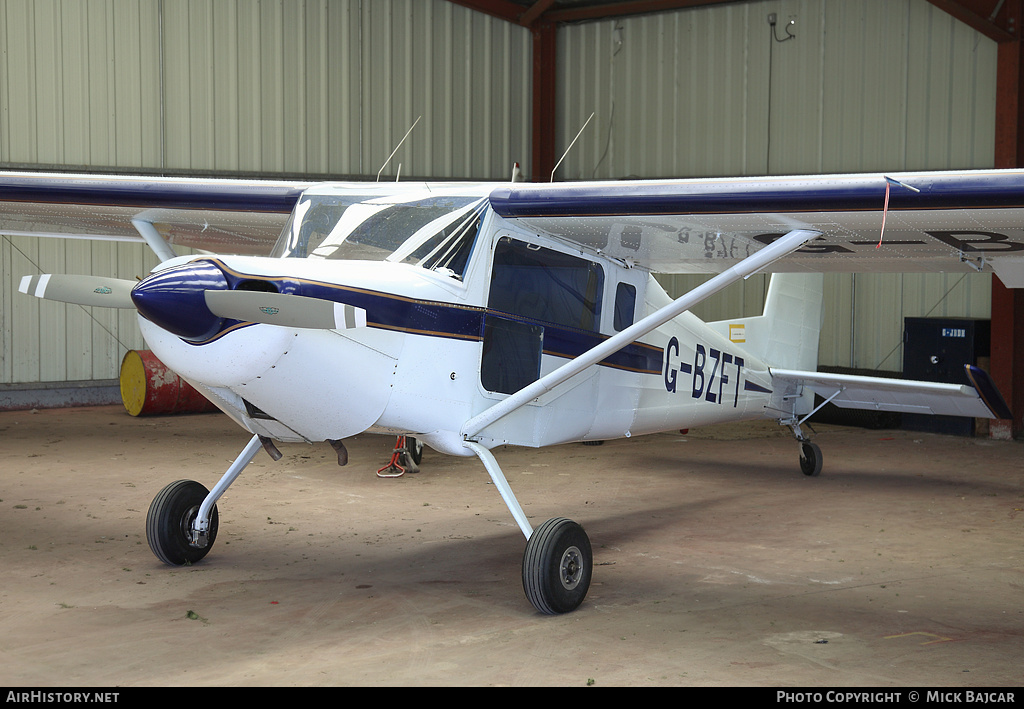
(988,392)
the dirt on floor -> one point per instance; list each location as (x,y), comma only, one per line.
(717,563)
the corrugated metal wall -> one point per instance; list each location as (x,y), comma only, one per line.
(297,87)
(301,87)
(863,85)
(328,87)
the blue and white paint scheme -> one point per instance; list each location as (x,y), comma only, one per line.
(469,316)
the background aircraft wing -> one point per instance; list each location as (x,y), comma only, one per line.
(933,221)
(978,399)
(223,216)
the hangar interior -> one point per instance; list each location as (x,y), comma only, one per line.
(717,563)
(325,89)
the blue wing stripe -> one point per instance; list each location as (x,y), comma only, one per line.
(977,190)
(168,193)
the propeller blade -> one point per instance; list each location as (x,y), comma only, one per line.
(283,309)
(83,290)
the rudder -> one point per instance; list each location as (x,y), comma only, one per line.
(786,334)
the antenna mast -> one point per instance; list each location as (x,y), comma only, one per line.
(398,146)
(570,147)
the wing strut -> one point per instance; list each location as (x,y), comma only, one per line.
(152,237)
(744,269)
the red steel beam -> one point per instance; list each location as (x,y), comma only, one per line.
(544,99)
(1007,340)
(502,9)
(989,17)
(627,7)
(540,10)
(536,10)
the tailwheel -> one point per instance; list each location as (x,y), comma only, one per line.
(169,523)
(810,459)
(557,566)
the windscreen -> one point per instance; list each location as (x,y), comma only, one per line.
(434,231)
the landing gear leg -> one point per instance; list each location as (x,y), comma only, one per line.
(182,522)
(558,562)
(810,454)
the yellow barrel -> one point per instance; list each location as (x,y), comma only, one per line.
(148,387)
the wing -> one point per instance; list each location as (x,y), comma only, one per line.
(224,216)
(933,221)
(980,399)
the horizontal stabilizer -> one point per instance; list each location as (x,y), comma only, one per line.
(284,309)
(83,290)
(980,400)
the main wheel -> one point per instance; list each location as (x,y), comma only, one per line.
(810,459)
(557,566)
(169,523)
(415,449)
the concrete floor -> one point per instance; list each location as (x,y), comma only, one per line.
(717,562)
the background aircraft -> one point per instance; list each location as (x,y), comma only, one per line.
(470,316)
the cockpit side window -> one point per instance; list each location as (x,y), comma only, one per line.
(533,288)
(546,285)
(625,306)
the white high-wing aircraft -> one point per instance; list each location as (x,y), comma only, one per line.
(470,316)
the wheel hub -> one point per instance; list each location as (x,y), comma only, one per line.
(570,568)
(197,539)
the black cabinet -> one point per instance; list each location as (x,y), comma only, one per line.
(936,350)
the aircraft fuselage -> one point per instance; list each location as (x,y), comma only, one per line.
(436,350)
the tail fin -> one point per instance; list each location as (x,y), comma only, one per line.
(786,335)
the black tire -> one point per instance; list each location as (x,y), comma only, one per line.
(415,449)
(557,566)
(810,459)
(170,519)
